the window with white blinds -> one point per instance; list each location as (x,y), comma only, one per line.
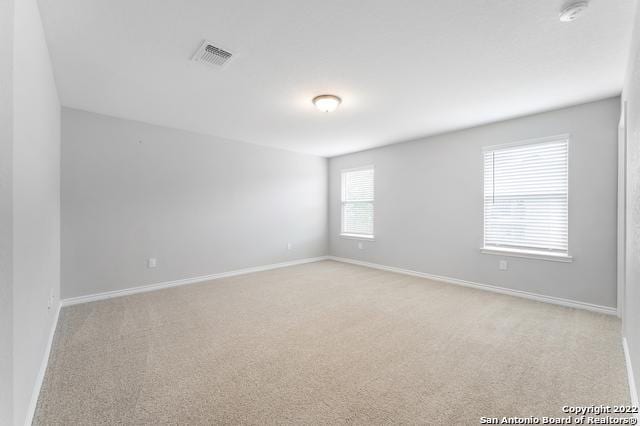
(357,202)
(526,189)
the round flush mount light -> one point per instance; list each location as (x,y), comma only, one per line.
(327,103)
(573,10)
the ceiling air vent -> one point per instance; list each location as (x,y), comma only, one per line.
(209,54)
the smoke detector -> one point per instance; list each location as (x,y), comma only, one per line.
(212,55)
(572,10)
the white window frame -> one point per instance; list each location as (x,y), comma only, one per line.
(343,202)
(529,253)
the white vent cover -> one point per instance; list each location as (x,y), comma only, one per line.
(209,54)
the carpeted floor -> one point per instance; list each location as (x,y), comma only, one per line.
(326,343)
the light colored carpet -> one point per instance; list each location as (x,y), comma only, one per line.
(326,343)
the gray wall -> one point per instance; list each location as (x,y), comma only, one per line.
(6,209)
(429,208)
(199,204)
(631,309)
(36,202)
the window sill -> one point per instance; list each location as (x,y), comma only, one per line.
(358,237)
(527,254)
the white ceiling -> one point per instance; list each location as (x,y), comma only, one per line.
(404,69)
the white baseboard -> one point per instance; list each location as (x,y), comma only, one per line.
(633,392)
(31,410)
(185,281)
(517,293)
(145,288)
(133,290)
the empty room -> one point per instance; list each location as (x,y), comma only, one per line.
(340,212)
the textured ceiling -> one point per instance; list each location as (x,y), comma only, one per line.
(404,69)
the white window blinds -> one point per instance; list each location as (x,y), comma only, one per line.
(357,202)
(526,196)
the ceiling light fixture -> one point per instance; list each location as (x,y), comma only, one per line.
(572,10)
(327,103)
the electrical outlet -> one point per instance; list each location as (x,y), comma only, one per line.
(289,246)
(152,262)
(50,301)
(502,265)
(360,245)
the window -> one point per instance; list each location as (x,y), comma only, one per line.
(526,188)
(357,202)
